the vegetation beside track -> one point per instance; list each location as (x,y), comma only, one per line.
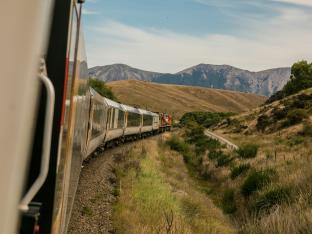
(156,194)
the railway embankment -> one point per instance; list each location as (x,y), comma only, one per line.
(144,187)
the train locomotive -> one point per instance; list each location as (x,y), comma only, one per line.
(52,121)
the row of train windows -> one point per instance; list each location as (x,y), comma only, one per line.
(117,118)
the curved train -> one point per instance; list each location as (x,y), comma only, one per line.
(51,120)
(101,122)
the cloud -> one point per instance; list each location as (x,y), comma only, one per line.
(89,12)
(296,2)
(279,41)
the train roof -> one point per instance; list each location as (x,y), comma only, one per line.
(130,109)
(146,112)
(114,104)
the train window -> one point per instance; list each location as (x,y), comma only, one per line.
(113,118)
(121,119)
(97,123)
(147,120)
(134,119)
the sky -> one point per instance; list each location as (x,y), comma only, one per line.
(171,35)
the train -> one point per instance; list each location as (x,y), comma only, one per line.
(104,123)
(51,121)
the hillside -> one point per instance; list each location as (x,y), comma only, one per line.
(271,170)
(181,99)
(203,75)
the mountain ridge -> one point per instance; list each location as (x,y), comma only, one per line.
(226,77)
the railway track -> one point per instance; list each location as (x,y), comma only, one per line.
(229,144)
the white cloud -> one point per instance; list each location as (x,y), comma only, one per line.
(89,12)
(297,2)
(277,42)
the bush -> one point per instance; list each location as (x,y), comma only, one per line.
(177,144)
(295,140)
(205,119)
(100,87)
(224,160)
(295,116)
(274,196)
(228,201)
(248,151)
(263,122)
(307,129)
(279,114)
(238,170)
(215,154)
(255,181)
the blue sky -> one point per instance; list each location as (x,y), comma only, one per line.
(170,35)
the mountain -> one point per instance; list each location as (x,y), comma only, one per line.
(178,99)
(204,75)
(230,78)
(120,72)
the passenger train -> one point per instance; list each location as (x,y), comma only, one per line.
(50,120)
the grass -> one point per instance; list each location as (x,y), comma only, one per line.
(248,151)
(162,198)
(239,170)
(274,196)
(182,99)
(228,201)
(86,211)
(255,181)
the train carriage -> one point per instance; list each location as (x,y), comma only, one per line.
(115,122)
(97,121)
(133,122)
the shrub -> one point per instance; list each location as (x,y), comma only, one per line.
(238,170)
(255,181)
(307,129)
(263,122)
(295,140)
(224,160)
(228,201)
(215,154)
(206,119)
(100,87)
(295,116)
(279,114)
(177,144)
(272,197)
(248,151)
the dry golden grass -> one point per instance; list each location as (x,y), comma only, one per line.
(284,151)
(181,99)
(162,197)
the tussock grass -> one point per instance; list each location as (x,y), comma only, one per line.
(239,170)
(248,151)
(162,198)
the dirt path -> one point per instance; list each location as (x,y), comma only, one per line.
(93,203)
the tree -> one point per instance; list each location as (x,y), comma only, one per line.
(100,87)
(301,78)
